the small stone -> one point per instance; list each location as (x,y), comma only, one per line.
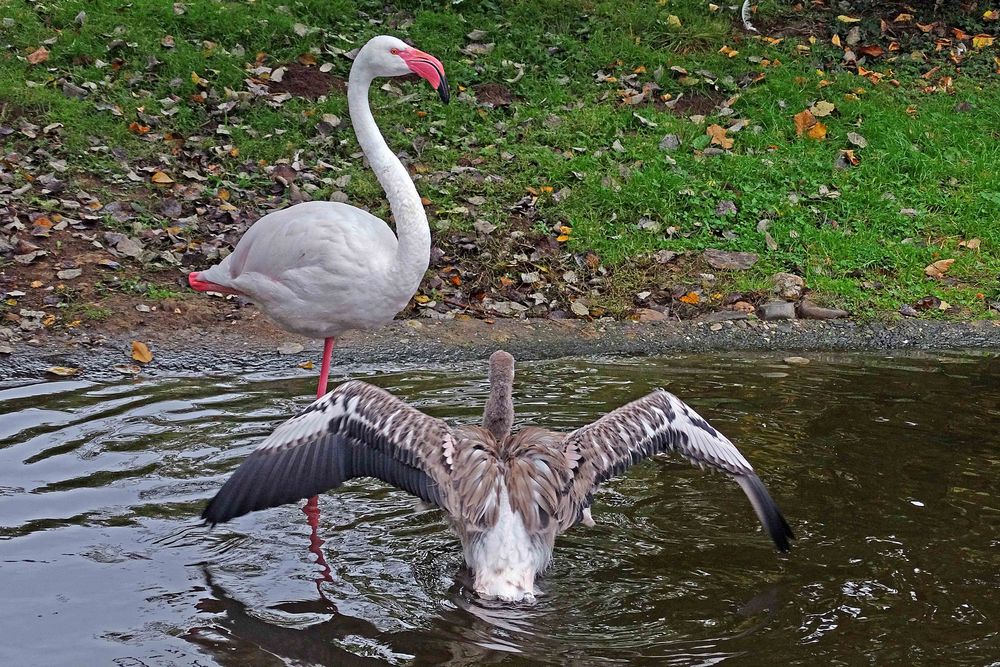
(788,285)
(670,142)
(290,348)
(6,349)
(579,308)
(908,212)
(650,315)
(664,256)
(69,274)
(716,327)
(796,361)
(142,308)
(810,311)
(777,310)
(732,261)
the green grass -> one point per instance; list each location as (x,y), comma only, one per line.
(854,248)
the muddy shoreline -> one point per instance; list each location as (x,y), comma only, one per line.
(412,342)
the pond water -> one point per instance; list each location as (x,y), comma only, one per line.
(887,468)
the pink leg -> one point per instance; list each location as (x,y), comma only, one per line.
(311,508)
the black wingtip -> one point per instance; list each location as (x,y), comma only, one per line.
(767,511)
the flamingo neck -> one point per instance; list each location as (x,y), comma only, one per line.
(412,231)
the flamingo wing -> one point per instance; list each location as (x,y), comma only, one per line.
(658,423)
(357,430)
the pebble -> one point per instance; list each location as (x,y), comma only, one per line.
(796,361)
(290,348)
(777,310)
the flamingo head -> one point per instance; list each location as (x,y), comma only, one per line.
(393,57)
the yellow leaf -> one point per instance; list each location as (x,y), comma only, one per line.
(673,21)
(938,268)
(223,194)
(197,80)
(141,353)
(161,178)
(719,138)
(36,283)
(729,52)
(903,18)
(835,40)
(308,365)
(982,41)
(546,188)
(62,371)
(691,297)
(848,19)
(991,15)
(817,132)
(422,298)
(562,238)
(49,320)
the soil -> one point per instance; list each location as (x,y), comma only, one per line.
(307,82)
(493,94)
(697,103)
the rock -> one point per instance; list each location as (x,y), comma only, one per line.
(810,311)
(670,142)
(579,308)
(777,310)
(716,327)
(796,361)
(6,349)
(664,256)
(743,307)
(788,285)
(906,310)
(69,274)
(143,308)
(290,348)
(732,261)
(649,315)
(724,316)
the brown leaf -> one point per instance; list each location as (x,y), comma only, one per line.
(938,268)
(719,138)
(62,371)
(39,55)
(803,121)
(141,353)
(971,244)
(161,178)
(691,297)
(817,132)
(871,51)
(307,59)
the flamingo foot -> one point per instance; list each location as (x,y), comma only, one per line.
(207,286)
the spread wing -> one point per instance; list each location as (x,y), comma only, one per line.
(657,423)
(357,430)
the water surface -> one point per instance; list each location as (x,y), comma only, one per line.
(887,469)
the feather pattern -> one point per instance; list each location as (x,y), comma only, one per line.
(506,496)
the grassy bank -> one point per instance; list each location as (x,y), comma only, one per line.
(587,136)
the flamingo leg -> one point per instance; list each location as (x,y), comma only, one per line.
(311,508)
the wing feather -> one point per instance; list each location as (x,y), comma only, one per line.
(357,430)
(657,423)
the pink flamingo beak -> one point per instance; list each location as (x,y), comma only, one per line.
(428,67)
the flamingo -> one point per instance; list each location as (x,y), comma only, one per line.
(322,268)
(506,496)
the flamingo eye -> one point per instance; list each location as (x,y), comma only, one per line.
(394,52)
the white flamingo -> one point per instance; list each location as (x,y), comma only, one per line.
(322,268)
(507,496)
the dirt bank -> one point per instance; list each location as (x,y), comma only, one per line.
(253,345)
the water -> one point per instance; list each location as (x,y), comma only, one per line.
(887,469)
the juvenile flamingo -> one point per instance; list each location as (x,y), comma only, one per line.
(507,496)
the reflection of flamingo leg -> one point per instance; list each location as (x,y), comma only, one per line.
(311,508)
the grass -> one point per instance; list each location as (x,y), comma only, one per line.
(841,229)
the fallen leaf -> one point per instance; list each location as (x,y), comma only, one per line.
(971,244)
(308,365)
(817,132)
(673,21)
(579,308)
(991,15)
(857,139)
(903,18)
(718,135)
(141,353)
(307,59)
(729,52)
(835,40)
(691,298)
(871,51)
(62,371)
(39,55)
(136,128)
(843,18)
(982,41)
(803,121)
(938,268)
(822,108)
(161,178)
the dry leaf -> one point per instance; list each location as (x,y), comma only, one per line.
(307,59)
(835,40)
(817,132)
(938,268)
(141,353)
(991,15)
(729,52)
(982,41)
(971,244)
(848,19)
(62,371)
(871,51)
(691,297)
(822,108)
(903,18)
(804,122)
(719,138)
(308,365)
(39,55)
(161,178)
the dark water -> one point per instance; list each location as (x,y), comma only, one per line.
(887,468)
